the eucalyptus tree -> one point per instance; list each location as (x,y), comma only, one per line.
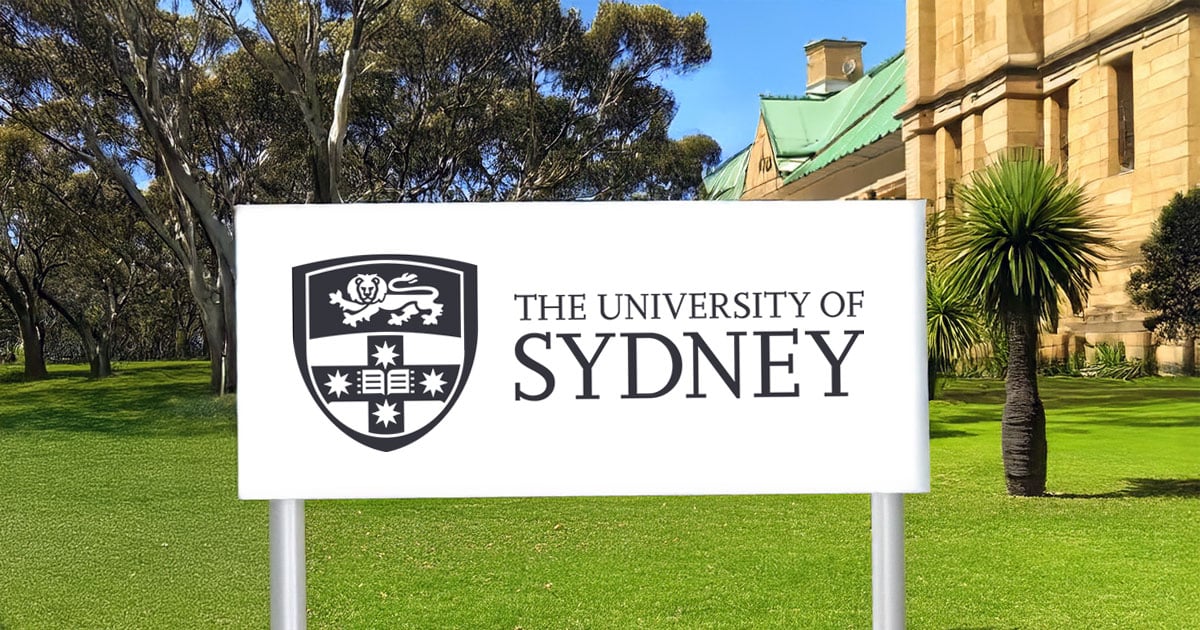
(579,111)
(313,49)
(429,100)
(74,247)
(32,245)
(109,258)
(192,111)
(656,167)
(1024,239)
(119,84)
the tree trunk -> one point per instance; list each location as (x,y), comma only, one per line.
(35,360)
(90,347)
(24,308)
(100,357)
(212,323)
(324,186)
(1023,427)
(104,364)
(1188,361)
(228,297)
(105,333)
(96,343)
(932,379)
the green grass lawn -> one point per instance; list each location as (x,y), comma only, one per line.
(120,510)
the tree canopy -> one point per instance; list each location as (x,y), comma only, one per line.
(1168,282)
(188,112)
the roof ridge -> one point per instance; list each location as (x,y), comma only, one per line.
(793,97)
(883,64)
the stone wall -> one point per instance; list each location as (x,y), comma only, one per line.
(987,75)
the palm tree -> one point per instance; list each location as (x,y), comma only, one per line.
(950,323)
(1022,241)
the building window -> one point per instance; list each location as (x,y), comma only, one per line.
(1063,104)
(1123,72)
(953,166)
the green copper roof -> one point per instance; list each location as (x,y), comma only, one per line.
(795,126)
(862,114)
(728,179)
(808,133)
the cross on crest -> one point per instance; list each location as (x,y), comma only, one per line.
(385,383)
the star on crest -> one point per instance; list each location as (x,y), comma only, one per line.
(385,354)
(432,382)
(386,412)
(338,384)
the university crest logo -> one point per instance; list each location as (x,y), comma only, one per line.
(385,343)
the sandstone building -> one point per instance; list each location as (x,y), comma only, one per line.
(1109,88)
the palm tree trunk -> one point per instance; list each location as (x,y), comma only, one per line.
(1023,427)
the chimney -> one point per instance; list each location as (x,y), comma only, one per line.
(833,64)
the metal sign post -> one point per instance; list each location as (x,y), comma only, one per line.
(288,608)
(887,561)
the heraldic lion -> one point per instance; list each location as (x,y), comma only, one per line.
(367,294)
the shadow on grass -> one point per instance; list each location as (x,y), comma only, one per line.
(1058,398)
(1144,422)
(1140,488)
(1150,403)
(935,434)
(158,401)
(15,374)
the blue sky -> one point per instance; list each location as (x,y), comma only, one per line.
(758,47)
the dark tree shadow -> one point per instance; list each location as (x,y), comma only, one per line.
(124,405)
(935,434)
(1140,488)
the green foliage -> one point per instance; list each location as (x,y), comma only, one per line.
(481,100)
(952,327)
(1111,362)
(320,100)
(1168,282)
(119,87)
(951,322)
(1073,366)
(1024,239)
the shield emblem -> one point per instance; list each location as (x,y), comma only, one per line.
(385,343)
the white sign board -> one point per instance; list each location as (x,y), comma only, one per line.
(553,349)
